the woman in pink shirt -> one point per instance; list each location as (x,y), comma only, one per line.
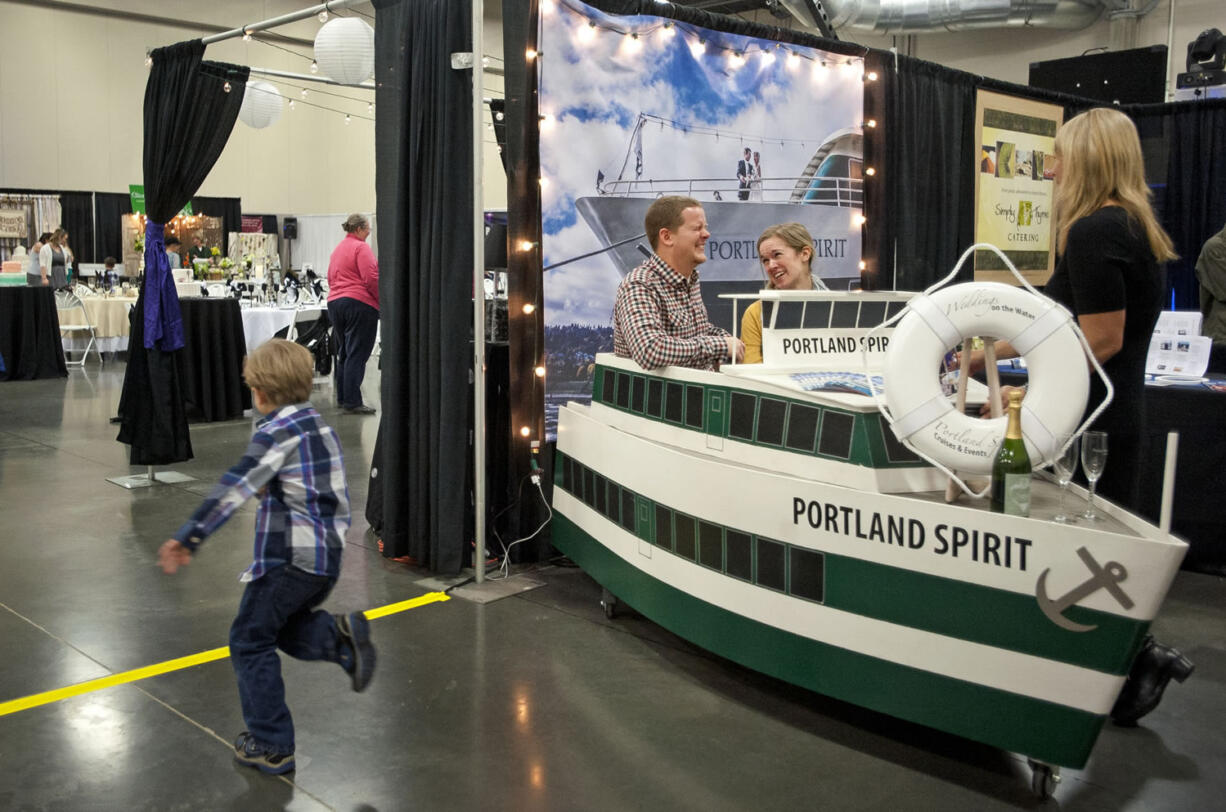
(353,307)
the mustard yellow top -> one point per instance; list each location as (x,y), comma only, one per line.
(751,333)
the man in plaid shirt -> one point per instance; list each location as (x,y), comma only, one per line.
(659,318)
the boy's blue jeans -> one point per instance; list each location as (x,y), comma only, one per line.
(278,611)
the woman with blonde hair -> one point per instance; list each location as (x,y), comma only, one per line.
(55,259)
(786,253)
(1109,246)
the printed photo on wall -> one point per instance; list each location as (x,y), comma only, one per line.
(637,107)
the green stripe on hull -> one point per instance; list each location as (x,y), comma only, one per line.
(980,614)
(1042,730)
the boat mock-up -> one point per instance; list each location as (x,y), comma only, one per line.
(769,514)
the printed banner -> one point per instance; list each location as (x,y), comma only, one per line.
(1014,189)
(637,107)
(13,224)
(252,224)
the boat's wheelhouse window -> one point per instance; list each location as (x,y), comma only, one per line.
(627,509)
(768,311)
(738,559)
(664,527)
(836,434)
(589,487)
(895,451)
(807,574)
(655,398)
(636,393)
(741,415)
(770,564)
(607,385)
(771,414)
(711,545)
(568,475)
(894,308)
(693,407)
(673,404)
(789,317)
(871,313)
(817,315)
(683,541)
(846,314)
(623,390)
(601,488)
(802,427)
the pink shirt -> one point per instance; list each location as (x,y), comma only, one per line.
(353,272)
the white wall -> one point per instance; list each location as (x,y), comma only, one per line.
(71,107)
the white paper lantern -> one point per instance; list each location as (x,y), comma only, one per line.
(261,105)
(345,50)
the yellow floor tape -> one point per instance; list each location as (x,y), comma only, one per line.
(47,697)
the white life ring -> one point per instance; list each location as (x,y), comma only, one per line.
(1038,328)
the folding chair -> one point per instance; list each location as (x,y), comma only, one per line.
(218,290)
(74,318)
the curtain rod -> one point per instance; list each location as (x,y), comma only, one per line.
(293,16)
(307,77)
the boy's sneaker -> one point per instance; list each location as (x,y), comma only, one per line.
(251,753)
(354,630)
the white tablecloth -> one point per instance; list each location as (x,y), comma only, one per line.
(262,323)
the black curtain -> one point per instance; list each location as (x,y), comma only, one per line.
(109,209)
(424,194)
(190,109)
(1192,203)
(77,218)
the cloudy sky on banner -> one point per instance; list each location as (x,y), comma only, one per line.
(594,84)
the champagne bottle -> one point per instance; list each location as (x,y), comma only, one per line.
(1011,470)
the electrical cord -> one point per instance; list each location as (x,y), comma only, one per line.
(505,566)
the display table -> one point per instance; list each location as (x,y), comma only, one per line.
(109,316)
(30,334)
(262,323)
(211,362)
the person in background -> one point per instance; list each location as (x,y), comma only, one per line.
(295,467)
(197,251)
(1211,273)
(1109,246)
(353,307)
(659,317)
(173,246)
(786,252)
(34,274)
(54,259)
(109,276)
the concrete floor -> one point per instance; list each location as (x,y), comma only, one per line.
(535,701)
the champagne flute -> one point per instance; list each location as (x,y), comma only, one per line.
(1093,459)
(1065,465)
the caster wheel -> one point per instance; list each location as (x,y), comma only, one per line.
(608,602)
(1044,779)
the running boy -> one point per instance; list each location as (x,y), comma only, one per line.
(294,464)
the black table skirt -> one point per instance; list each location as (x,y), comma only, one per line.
(30,334)
(211,361)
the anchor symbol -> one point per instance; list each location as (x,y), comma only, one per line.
(1108,578)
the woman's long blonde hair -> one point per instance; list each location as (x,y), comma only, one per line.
(1100,162)
(57,238)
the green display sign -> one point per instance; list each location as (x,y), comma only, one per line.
(136,193)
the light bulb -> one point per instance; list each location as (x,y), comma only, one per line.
(314,66)
(226,87)
(246,36)
(529,308)
(347,118)
(530,54)
(148,60)
(863,265)
(860,219)
(698,48)
(304,93)
(526,245)
(291,104)
(370,107)
(323,16)
(872,122)
(871,76)
(524,431)
(540,372)
(586,33)
(870,171)
(668,31)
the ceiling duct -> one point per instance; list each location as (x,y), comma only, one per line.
(917,16)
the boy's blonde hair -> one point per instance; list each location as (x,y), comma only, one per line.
(282,370)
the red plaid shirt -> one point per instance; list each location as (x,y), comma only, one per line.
(659,320)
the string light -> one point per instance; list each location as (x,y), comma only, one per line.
(148,60)
(540,372)
(736,59)
(793,60)
(246,35)
(291,104)
(530,54)
(547,121)
(314,66)
(860,219)
(668,31)
(872,122)
(768,58)
(524,431)
(323,16)
(632,43)
(871,76)
(547,7)
(698,48)
(863,265)
(226,87)
(370,107)
(526,245)
(304,93)
(529,308)
(347,118)
(587,33)
(870,171)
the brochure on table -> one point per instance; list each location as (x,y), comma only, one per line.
(1177,350)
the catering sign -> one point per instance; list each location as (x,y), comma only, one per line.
(1014,186)
(13,224)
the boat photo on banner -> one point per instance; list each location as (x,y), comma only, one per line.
(637,107)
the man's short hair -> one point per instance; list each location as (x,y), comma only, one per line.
(282,370)
(109,262)
(748,150)
(665,212)
(172,241)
